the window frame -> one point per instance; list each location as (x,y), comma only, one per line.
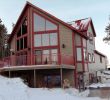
(79,60)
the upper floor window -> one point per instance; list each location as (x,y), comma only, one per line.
(23,28)
(100,59)
(49,39)
(79,54)
(21,42)
(91,38)
(89,57)
(93,59)
(50,26)
(42,24)
(39,23)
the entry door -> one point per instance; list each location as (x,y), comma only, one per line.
(38,57)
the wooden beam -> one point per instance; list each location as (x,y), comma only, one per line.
(34,78)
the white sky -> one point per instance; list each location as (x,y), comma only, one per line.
(66,10)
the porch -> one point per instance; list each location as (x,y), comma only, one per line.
(41,75)
(45,59)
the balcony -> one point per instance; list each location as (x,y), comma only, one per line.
(54,59)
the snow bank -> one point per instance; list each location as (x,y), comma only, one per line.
(55,94)
(15,89)
(12,89)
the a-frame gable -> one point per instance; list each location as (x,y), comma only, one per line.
(40,10)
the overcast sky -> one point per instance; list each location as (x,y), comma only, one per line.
(66,10)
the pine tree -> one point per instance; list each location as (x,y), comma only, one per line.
(107,30)
(3,32)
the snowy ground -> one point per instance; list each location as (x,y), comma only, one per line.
(15,89)
(99,85)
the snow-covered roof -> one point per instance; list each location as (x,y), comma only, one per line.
(81,24)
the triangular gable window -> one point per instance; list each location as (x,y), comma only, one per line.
(42,24)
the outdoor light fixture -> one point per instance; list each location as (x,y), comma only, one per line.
(63,46)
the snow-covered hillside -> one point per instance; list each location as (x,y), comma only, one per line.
(15,89)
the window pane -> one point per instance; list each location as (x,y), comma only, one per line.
(21,43)
(45,39)
(24,26)
(53,39)
(79,54)
(39,23)
(89,57)
(19,32)
(46,52)
(54,55)
(37,40)
(93,59)
(54,51)
(50,26)
(38,57)
(45,56)
(17,45)
(85,54)
(25,42)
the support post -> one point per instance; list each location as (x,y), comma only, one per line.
(34,78)
(61,77)
(9,74)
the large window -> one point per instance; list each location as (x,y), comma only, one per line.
(53,39)
(50,26)
(39,23)
(37,40)
(23,28)
(46,56)
(42,24)
(22,36)
(49,39)
(21,43)
(79,54)
(45,39)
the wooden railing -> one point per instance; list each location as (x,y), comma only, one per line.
(38,60)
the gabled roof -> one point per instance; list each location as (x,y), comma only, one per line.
(82,25)
(28,4)
(99,53)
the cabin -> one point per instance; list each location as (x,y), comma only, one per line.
(42,50)
(46,51)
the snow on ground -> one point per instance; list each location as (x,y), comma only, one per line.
(15,89)
(99,85)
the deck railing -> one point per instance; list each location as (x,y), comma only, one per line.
(38,60)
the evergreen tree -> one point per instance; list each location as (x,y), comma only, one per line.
(3,32)
(107,30)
